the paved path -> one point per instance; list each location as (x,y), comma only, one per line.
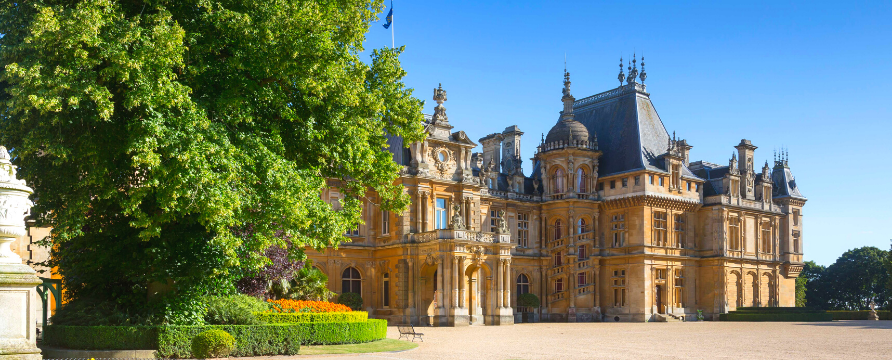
(692,340)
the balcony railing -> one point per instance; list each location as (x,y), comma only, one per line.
(467,235)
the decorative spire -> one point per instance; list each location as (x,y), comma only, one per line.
(643,75)
(621,76)
(543,138)
(633,74)
(629,79)
(440,110)
(567,99)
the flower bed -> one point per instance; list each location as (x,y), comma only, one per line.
(305,306)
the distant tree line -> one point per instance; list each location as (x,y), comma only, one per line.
(858,277)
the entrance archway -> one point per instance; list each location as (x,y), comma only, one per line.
(478,294)
(429,300)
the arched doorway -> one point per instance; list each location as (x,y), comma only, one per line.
(479,293)
(429,299)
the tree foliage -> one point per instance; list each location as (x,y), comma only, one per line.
(154,132)
(858,277)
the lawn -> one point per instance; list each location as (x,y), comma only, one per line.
(371,347)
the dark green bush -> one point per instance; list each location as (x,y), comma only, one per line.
(528,300)
(353,300)
(212,344)
(286,318)
(234,310)
(817,316)
(91,312)
(250,340)
(101,337)
(858,315)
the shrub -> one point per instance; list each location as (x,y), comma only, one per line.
(234,310)
(858,315)
(101,337)
(212,344)
(528,300)
(286,318)
(292,306)
(250,340)
(353,300)
(91,312)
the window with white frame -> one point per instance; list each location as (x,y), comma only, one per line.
(442,221)
(618,230)
(523,229)
(679,231)
(385,222)
(559,285)
(679,288)
(659,231)
(493,217)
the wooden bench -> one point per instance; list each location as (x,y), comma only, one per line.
(406,330)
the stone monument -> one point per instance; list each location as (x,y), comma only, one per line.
(873,311)
(18,282)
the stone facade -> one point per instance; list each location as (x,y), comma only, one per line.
(615,223)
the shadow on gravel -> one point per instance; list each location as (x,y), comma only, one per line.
(860,324)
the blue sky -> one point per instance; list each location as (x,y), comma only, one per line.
(811,76)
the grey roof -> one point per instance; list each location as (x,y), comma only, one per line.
(713,177)
(401,155)
(784,183)
(630,133)
(564,130)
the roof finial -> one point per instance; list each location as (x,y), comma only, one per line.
(543,138)
(633,73)
(621,75)
(643,75)
(629,79)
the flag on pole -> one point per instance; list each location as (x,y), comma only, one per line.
(389,17)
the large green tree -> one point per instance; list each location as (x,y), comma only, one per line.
(168,139)
(858,277)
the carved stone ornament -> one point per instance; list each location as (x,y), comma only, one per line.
(14,207)
(501,224)
(458,222)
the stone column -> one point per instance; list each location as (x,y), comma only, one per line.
(18,333)
(500,287)
(455,282)
(440,282)
(461,282)
(418,212)
(507,295)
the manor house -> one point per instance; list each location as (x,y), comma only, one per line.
(615,223)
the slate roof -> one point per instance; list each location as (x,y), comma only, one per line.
(630,133)
(785,183)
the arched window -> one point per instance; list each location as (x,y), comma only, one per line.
(581,180)
(581,226)
(557,229)
(351,281)
(523,284)
(559,181)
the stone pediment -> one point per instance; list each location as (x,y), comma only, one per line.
(462,138)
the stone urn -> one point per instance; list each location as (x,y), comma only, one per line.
(18,282)
(873,311)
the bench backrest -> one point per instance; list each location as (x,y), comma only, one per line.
(406,329)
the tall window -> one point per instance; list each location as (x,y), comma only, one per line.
(734,232)
(651,179)
(679,231)
(619,288)
(559,181)
(523,284)
(580,279)
(581,226)
(558,232)
(559,285)
(660,235)
(580,252)
(618,230)
(493,216)
(523,230)
(661,181)
(581,181)
(386,290)
(557,259)
(796,217)
(679,289)
(637,180)
(766,237)
(442,221)
(385,222)
(351,282)
(625,182)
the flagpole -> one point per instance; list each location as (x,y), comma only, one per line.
(391,27)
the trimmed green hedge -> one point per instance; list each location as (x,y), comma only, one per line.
(769,316)
(250,340)
(101,337)
(859,315)
(290,318)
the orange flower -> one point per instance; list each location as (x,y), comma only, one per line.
(291,306)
